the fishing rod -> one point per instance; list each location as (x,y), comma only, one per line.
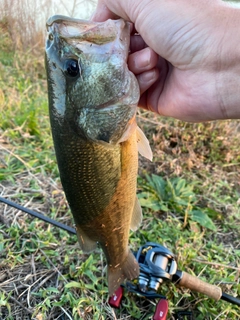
(38,215)
(157,264)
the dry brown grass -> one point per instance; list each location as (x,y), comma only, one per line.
(24,20)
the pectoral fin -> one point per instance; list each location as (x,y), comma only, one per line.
(86,244)
(143,145)
(136,216)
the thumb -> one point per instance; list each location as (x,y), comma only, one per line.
(103,13)
(112,9)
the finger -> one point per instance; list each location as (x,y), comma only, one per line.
(134,31)
(102,13)
(137,43)
(147,79)
(143,60)
(154,97)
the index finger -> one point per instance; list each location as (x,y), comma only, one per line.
(137,43)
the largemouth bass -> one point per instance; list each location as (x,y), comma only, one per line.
(92,104)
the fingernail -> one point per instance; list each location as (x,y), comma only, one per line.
(147,79)
(144,59)
(149,76)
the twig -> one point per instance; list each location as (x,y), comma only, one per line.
(67,314)
(54,267)
(217,264)
(43,281)
(6,282)
(20,304)
(27,166)
(33,268)
(30,286)
(151,121)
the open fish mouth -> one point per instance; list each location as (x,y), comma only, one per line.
(83,30)
(67,27)
(61,19)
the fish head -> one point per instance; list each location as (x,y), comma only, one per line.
(90,87)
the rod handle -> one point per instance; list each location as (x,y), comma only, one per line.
(195,284)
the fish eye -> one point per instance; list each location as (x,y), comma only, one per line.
(71,67)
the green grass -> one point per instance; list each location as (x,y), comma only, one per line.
(190,196)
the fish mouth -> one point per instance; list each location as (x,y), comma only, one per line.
(63,22)
(65,26)
(98,33)
(60,19)
(66,22)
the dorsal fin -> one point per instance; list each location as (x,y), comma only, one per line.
(143,145)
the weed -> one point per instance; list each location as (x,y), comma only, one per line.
(174,195)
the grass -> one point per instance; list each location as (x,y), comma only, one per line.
(190,195)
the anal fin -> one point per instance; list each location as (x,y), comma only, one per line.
(86,244)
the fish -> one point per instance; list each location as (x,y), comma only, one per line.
(93,100)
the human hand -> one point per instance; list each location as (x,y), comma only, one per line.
(184,57)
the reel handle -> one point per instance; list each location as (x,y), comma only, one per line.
(193,283)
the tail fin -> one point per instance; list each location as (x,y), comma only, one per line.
(129,269)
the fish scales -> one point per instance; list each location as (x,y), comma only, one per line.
(92,106)
(115,219)
(89,173)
